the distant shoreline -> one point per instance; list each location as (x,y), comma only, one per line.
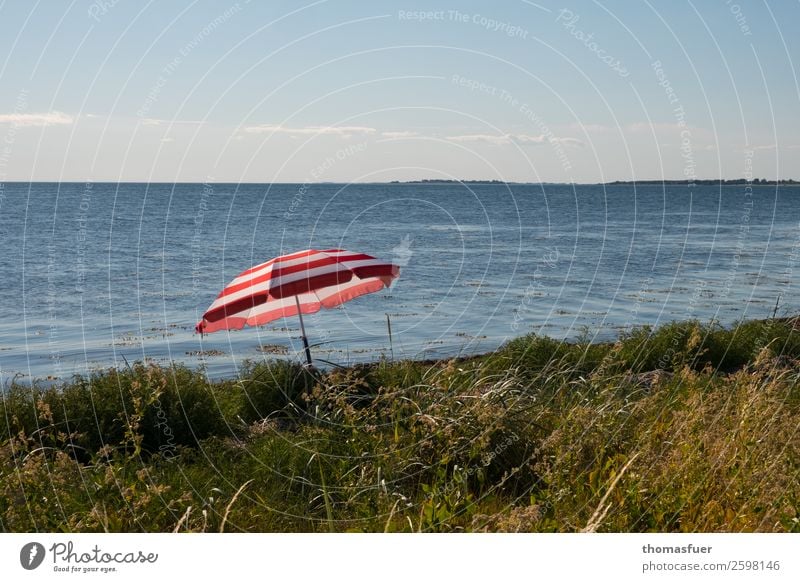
(735,182)
(435,182)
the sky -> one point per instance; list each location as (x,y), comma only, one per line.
(346,91)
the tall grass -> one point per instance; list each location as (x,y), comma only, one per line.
(684,428)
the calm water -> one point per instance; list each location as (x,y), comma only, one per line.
(92,274)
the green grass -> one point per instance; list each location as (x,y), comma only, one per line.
(688,427)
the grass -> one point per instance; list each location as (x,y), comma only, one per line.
(688,427)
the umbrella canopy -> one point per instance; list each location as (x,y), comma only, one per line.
(298,283)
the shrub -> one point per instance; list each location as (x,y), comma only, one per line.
(166,407)
(267,388)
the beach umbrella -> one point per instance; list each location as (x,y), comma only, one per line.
(294,284)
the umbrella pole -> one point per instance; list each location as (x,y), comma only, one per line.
(303,330)
(391,344)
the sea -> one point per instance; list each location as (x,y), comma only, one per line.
(101,275)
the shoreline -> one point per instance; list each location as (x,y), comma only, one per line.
(329,366)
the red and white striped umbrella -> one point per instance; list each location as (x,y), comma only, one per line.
(294,284)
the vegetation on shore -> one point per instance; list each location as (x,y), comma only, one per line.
(686,428)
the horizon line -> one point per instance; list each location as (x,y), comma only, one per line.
(428,181)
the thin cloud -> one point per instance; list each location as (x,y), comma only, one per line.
(335,130)
(491,139)
(398,134)
(154,121)
(36,119)
(570,141)
(518,139)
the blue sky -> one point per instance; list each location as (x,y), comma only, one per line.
(354,91)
